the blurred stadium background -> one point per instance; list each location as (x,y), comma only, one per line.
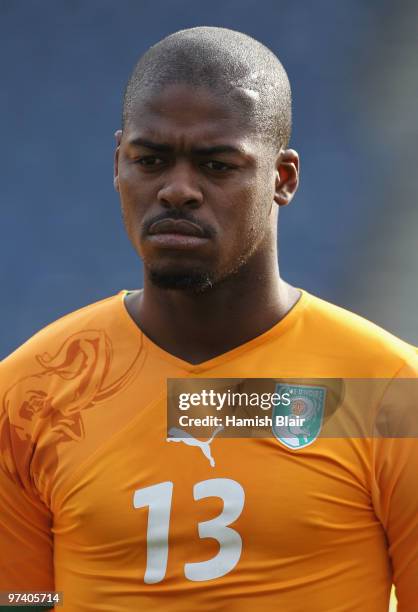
(349,236)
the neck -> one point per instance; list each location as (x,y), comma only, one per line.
(199,327)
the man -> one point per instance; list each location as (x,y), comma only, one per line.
(97,503)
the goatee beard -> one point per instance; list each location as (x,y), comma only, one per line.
(194,281)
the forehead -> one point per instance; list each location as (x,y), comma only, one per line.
(181,111)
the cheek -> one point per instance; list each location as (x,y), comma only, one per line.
(128,192)
(131,220)
(132,187)
(239,223)
(253,207)
(133,200)
(251,219)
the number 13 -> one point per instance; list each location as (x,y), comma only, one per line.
(158,498)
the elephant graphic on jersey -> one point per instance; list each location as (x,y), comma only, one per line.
(72,380)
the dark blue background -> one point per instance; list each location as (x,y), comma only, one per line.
(349,235)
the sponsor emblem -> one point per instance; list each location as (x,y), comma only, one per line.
(299,423)
(179,435)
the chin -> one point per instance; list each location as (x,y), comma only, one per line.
(194,280)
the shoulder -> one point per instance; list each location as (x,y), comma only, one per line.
(56,374)
(66,360)
(79,325)
(347,335)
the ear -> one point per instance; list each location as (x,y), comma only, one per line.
(118,138)
(287,178)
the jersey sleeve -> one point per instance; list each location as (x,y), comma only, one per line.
(26,542)
(395,482)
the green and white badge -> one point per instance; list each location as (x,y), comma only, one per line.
(298,424)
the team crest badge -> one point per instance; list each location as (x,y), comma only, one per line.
(299,423)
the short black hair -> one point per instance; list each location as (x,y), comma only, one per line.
(222,60)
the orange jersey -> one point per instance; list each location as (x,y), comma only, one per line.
(96,503)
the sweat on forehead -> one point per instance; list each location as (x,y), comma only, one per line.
(229,63)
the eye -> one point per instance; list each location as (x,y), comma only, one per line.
(217,166)
(149,161)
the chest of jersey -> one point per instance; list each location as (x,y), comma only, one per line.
(233,519)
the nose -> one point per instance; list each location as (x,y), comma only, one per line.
(180,188)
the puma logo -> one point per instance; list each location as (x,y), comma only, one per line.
(204,445)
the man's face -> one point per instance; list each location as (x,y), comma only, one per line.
(197,186)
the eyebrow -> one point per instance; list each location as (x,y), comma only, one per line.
(156,146)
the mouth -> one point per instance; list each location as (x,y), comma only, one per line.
(176,226)
(176,234)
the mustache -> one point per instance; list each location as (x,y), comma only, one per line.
(178,215)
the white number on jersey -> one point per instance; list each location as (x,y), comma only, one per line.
(158,499)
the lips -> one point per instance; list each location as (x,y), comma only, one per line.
(176,226)
(176,234)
